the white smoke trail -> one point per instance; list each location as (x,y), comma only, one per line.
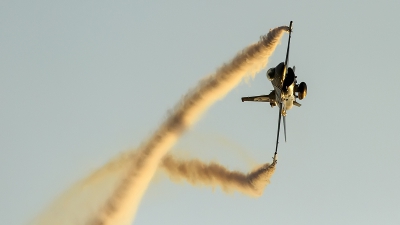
(82,201)
(120,206)
(214,174)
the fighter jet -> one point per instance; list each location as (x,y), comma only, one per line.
(285,86)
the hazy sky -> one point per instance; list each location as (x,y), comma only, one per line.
(81,82)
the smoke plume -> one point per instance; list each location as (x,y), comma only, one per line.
(213,174)
(125,194)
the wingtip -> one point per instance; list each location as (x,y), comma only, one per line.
(275,159)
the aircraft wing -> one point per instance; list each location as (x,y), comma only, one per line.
(260,98)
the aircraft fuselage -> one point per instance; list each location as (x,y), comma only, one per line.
(283,83)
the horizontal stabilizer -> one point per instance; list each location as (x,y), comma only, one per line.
(261,98)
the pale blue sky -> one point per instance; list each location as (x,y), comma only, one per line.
(82,81)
